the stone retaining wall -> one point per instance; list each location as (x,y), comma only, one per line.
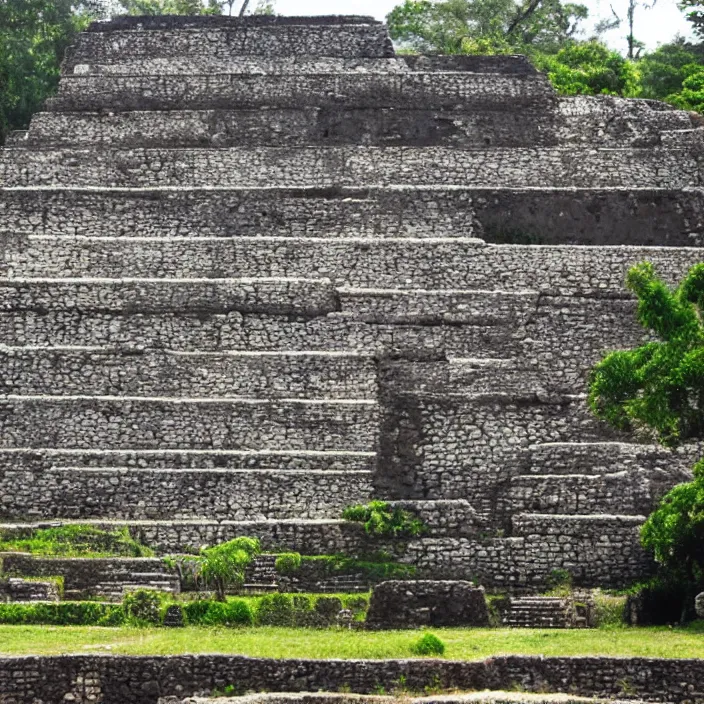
(142,680)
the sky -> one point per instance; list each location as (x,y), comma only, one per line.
(654,26)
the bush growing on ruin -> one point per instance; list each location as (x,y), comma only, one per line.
(657,390)
(381,519)
(288,562)
(428,644)
(142,607)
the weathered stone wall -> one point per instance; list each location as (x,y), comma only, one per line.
(256,317)
(359,166)
(142,680)
(548,217)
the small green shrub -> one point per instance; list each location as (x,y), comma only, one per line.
(143,607)
(206,612)
(380,519)
(428,644)
(63,613)
(276,610)
(288,562)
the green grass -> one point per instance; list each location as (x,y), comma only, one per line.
(461,644)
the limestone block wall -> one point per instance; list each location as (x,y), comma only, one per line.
(144,679)
(581,217)
(406,263)
(557,167)
(219,320)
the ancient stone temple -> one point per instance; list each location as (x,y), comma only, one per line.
(254,271)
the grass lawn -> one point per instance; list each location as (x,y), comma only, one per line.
(469,644)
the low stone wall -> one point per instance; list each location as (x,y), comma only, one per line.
(401,604)
(82,575)
(142,680)
(652,217)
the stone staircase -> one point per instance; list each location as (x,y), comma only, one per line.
(254,271)
(546,612)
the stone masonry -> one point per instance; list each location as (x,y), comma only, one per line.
(256,270)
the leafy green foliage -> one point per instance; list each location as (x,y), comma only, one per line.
(221,567)
(276,610)
(663,71)
(63,613)
(170,7)
(235,612)
(142,607)
(74,541)
(34,35)
(675,530)
(288,562)
(658,388)
(428,644)
(380,519)
(484,26)
(377,569)
(589,68)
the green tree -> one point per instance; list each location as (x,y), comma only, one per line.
(657,389)
(664,70)
(34,35)
(484,26)
(169,7)
(589,68)
(675,530)
(224,565)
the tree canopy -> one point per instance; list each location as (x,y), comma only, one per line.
(484,26)
(657,389)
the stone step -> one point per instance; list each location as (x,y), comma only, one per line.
(251,64)
(621,492)
(161,494)
(105,372)
(225,37)
(539,612)
(248,64)
(35,460)
(328,213)
(307,298)
(597,458)
(351,166)
(223,91)
(304,297)
(292,126)
(114,423)
(637,217)
(308,537)
(216,332)
(618,121)
(616,528)
(425,263)
(16,138)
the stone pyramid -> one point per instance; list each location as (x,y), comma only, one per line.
(254,271)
